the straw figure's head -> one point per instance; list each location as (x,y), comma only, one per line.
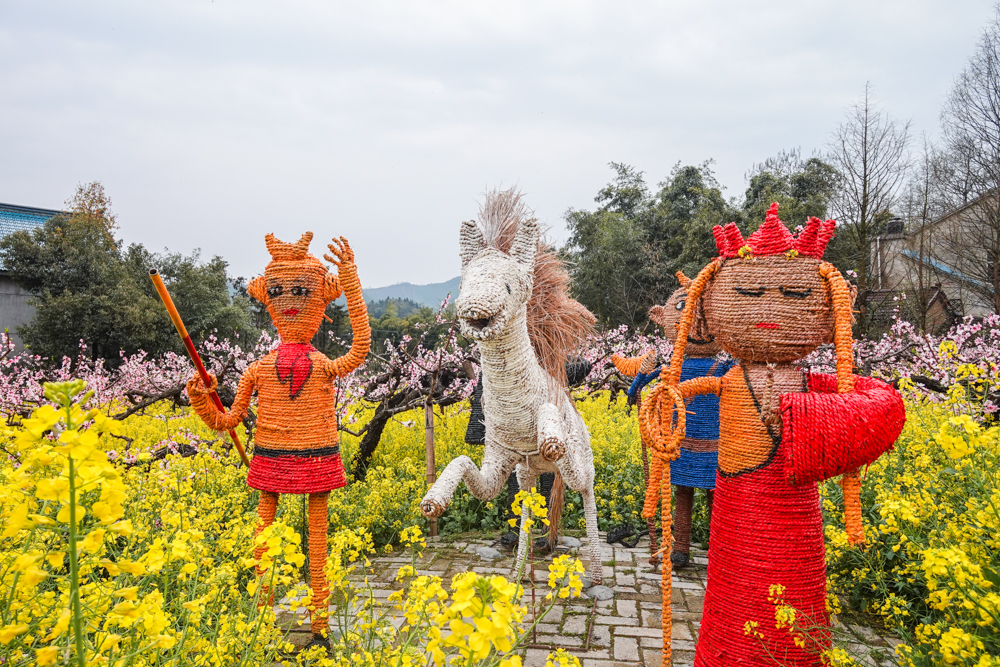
(296,288)
(700,343)
(771,298)
(508,272)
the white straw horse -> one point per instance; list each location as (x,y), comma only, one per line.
(514,302)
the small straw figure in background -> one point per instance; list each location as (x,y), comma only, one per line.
(769,301)
(699,450)
(296,448)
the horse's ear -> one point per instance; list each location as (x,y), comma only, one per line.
(258,289)
(525,244)
(683,280)
(470,241)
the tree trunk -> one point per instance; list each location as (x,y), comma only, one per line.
(373,435)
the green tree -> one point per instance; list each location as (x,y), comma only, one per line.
(88,286)
(802,188)
(624,254)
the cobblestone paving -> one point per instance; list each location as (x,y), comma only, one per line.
(626,629)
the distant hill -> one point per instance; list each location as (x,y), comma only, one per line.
(404,307)
(425,295)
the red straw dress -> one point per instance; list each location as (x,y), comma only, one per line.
(766,523)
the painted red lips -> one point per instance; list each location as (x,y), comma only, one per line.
(768,325)
(291,312)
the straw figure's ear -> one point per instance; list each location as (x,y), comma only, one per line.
(684,280)
(258,289)
(658,315)
(525,244)
(470,241)
(331,287)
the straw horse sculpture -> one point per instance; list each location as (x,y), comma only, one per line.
(514,302)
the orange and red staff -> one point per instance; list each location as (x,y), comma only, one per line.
(175,317)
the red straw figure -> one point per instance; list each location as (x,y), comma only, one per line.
(769,301)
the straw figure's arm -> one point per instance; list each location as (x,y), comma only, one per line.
(633,366)
(204,408)
(829,433)
(702,385)
(347,271)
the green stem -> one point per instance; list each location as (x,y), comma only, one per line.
(74,570)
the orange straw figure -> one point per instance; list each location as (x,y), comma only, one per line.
(296,448)
(769,301)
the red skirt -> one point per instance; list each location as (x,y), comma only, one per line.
(764,532)
(301,472)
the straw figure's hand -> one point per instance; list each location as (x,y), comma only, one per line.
(648,363)
(343,253)
(196,387)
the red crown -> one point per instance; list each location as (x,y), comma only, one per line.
(773,238)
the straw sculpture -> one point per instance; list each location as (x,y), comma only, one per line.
(296,444)
(770,300)
(695,468)
(514,302)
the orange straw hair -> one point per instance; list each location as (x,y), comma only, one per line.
(843,342)
(656,426)
(843,339)
(672,374)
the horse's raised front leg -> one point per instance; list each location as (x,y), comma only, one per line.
(551,433)
(484,484)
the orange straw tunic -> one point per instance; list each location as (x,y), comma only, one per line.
(296,444)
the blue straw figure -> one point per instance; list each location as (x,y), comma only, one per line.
(696,466)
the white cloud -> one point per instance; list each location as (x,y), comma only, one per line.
(213,123)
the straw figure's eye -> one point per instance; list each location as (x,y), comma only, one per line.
(795,294)
(508,288)
(680,305)
(275,291)
(299,290)
(750,292)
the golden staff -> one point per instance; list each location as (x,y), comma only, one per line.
(175,317)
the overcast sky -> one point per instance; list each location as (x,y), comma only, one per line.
(213,123)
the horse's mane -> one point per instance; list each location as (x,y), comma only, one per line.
(557,323)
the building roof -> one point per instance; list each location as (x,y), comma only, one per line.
(15,218)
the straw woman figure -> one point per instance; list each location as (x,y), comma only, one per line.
(296,447)
(769,301)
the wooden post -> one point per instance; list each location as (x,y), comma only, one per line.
(429,435)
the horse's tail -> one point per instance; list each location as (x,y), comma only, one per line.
(555,510)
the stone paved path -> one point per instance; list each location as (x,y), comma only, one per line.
(626,629)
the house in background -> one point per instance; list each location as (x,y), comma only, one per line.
(14,307)
(938,272)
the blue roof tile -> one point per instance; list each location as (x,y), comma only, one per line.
(16,218)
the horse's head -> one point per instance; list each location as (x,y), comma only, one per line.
(495,284)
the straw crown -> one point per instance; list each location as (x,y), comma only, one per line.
(773,237)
